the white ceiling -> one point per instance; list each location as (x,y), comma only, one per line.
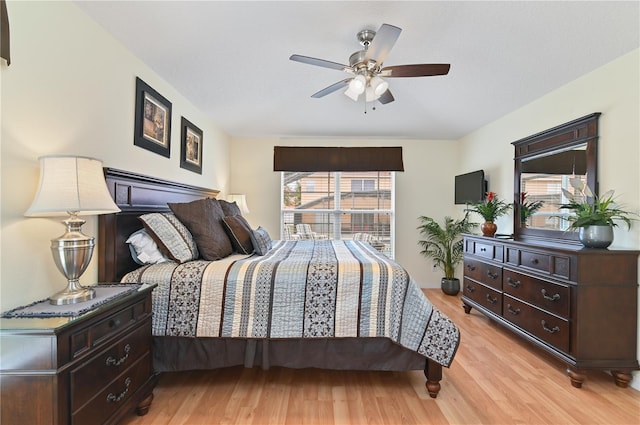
(231,59)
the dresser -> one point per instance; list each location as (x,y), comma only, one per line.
(580,305)
(89,369)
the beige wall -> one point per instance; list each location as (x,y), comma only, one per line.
(614,91)
(70,89)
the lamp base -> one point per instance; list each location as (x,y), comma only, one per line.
(72,295)
(72,254)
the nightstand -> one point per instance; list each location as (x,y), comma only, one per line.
(93,368)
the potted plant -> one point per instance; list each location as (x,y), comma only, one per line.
(593,219)
(490,209)
(528,208)
(444,246)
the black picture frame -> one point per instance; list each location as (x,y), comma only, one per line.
(152,120)
(191,146)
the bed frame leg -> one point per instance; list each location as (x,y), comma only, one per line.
(433,373)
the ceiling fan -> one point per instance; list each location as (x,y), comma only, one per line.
(366,67)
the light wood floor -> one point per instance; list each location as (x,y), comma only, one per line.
(496,378)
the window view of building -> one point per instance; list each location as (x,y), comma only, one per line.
(339,205)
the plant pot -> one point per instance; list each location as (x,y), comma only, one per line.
(596,236)
(450,286)
(488,228)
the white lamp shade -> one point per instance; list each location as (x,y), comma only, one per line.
(241,200)
(370,94)
(379,86)
(351,94)
(71,184)
(358,84)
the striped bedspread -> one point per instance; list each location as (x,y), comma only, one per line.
(300,289)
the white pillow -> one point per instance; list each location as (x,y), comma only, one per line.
(144,249)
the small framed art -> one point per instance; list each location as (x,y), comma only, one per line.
(153,120)
(191,148)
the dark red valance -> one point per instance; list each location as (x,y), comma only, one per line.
(295,158)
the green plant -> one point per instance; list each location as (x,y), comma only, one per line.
(528,208)
(444,244)
(491,208)
(601,211)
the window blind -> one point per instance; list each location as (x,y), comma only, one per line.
(297,158)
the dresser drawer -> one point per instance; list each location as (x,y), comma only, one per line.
(482,272)
(548,296)
(547,264)
(109,399)
(549,328)
(486,250)
(115,324)
(483,295)
(106,366)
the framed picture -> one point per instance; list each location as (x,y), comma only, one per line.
(153,120)
(191,152)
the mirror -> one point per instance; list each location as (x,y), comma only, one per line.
(544,164)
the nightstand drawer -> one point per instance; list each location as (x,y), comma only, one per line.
(551,329)
(548,296)
(89,337)
(106,366)
(483,295)
(110,398)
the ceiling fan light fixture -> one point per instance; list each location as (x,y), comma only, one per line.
(379,86)
(370,94)
(358,84)
(353,95)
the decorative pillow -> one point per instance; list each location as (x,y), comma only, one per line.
(172,237)
(261,241)
(203,218)
(239,232)
(229,208)
(143,248)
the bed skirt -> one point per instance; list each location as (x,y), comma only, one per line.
(181,353)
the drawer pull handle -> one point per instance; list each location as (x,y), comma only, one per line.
(492,300)
(113,362)
(483,249)
(534,261)
(492,275)
(470,288)
(470,267)
(554,297)
(115,323)
(112,398)
(513,283)
(548,329)
(512,311)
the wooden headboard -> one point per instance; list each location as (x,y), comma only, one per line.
(135,194)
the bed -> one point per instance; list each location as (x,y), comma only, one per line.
(322,304)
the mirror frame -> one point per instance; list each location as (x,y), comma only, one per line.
(561,138)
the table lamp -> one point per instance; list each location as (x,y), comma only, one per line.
(73,186)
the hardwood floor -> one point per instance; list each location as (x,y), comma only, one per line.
(496,378)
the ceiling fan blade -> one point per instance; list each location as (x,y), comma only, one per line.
(382,43)
(419,70)
(332,88)
(319,62)
(386,97)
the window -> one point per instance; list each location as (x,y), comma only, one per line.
(341,205)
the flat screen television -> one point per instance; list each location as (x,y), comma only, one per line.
(470,188)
